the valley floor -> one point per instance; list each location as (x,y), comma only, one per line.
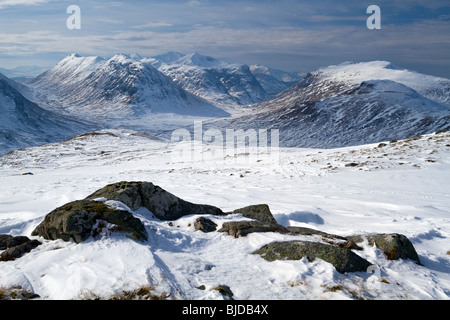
(399,187)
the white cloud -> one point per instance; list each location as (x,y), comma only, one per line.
(9,3)
(153,25)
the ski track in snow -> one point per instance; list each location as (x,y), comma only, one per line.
(400,187)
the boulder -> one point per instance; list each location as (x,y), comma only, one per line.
(296,231)
(205,225)
(16,247)
(77,219)
(225,291)
(242,228)
(164,205)
(342,259)
(394,245)
(7,241)
(260,212)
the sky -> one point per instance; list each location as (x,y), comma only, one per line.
(292,35)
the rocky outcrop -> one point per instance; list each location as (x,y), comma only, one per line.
(205,225)
(77,219)
(242,228)
(342,259)
(395,246)
(163,205)
(260,212)
(15,247)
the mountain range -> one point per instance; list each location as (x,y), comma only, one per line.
(115,88)
(352,104)
(335,106)
(23,123)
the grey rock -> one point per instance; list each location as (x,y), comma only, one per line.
(342,259)
(205,225)
(394,245)
(17,251)
(77,219)
(260,212)
(295,231)
(164,205)
(242,228)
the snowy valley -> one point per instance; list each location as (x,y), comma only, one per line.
(364,150)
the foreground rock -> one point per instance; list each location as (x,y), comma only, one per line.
(16,247)
(342,259)
(77,219)
(242,228)
(163,205)
(263,221)
(260,212)
(205,225)
(395,246)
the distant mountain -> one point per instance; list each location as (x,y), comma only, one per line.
(24,124)
(273,80)
(223,84)
(22,72)
(117,88)
(352,104)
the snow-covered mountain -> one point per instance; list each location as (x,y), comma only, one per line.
(23,72)
(353,104)
(23,123)
(224,84)
(115,88)
(273,80)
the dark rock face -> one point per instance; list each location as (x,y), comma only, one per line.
(15,247)
(162,204)
(342,259)
(77,219)
(205,225)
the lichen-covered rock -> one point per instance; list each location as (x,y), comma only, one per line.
(394,245)
(75,221)
(242,228)
(295,231)
(342,259)
(205,225)
(260,212)
(164,205)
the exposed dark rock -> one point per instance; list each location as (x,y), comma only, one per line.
(164,205)
(342,259)
(225,291)
(242,228)
(76,220)
(260,212)
(395,246)
(205,225)
(295,231)
(7,241)
(16,247)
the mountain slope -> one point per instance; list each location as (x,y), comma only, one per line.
(23,123)
(221,83)
(272,80)
(331,108)
(117,88)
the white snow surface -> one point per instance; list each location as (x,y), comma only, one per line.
(431,87)
(398,188)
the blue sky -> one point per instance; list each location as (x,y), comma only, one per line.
(291,35)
